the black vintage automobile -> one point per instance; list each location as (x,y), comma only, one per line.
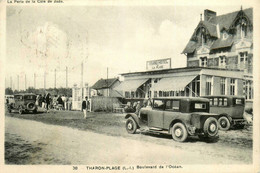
(24,103)
(230,109)
(179,116)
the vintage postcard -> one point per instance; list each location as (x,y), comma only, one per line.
(129,86)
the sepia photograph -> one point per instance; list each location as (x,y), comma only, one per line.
(106,87)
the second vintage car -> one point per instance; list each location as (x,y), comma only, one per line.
(180,116)
(24,103)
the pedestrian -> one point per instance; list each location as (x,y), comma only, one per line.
(66,102)
(84,107)
(63,100)
(40,100)
(43,102)
(59,100)
(47,101)
(70,103)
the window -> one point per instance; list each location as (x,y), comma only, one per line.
(158,104)
(243,60)
(132,94)
(243,28)
(222,86)
(209,85)
(136,94)
(215,101)
(239,102)
(232,86)
(203,61)
(160,93)
(175,105)
(155,93)
(127,94)
(222,61)
(248,89)
(200,106)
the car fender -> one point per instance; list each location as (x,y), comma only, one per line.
(134,116)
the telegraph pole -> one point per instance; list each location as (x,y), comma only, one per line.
(55,78)
(18,82)
(107,84)
(44,80)
(34,80)
(11,82)
(66,76)
(25,82)
(81,83)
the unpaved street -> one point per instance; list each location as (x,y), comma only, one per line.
(39,143)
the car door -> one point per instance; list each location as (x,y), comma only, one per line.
(155,118)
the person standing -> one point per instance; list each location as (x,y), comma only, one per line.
(84,107)
(47,101)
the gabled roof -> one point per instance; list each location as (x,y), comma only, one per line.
(104,83)
(226,20)
(223,22)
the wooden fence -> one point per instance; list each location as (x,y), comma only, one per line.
(100,103)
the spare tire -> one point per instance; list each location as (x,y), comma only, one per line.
(211,127)
(30,106)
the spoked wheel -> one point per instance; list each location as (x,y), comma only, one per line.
(224,123)
(131,126)
(179,132)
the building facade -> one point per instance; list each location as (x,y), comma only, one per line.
(224,42)
(105,87)
(188,81)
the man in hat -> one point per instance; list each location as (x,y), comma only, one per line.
(84,107)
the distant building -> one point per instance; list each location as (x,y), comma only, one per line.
(224,42)
(105,87)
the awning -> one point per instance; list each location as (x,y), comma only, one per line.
(130,85)
(177,83)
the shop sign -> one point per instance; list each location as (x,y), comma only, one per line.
(158,64)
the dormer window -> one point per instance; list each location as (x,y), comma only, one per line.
(222,61)
(243,27)
(225,36)
(203,61)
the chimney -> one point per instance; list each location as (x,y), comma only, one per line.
(208,14)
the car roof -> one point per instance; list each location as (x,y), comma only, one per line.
(184,98)
(23,94)
(227,96)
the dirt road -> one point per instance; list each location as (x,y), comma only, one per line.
(39,143)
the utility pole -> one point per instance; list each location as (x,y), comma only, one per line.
(44,80)
(11,83)
(81,83)
(107,84)
(34,80)
(66,76)
(55,78)
(18,82)
(25,82)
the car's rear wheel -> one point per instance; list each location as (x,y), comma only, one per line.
(131,125)
(224,123)
(211,127)
(179,132)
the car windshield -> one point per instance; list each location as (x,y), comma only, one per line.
(29,97)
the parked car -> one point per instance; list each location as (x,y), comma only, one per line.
(231,111)
(180,116)
(23,103)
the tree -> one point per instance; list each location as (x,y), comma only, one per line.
(9,91)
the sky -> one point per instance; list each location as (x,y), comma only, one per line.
(118,38)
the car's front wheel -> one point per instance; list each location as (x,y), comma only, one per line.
(211,127)
(224,123)
(179,132)
(131,125)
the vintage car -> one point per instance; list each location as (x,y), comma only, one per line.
(230,109)
(179,116)
(23,103)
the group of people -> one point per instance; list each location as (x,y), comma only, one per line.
(57,102)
